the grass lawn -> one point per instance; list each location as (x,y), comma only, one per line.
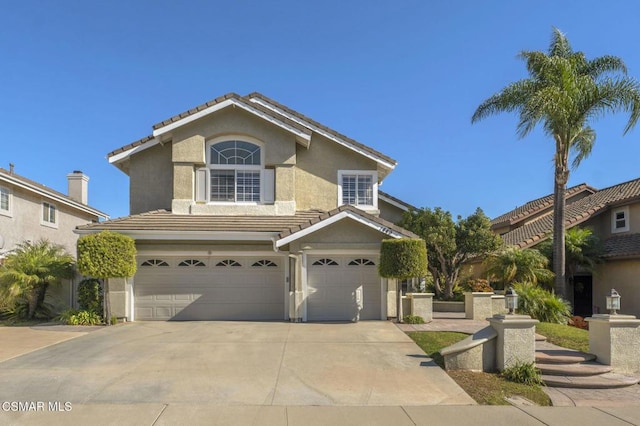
(484,388)
(565,336)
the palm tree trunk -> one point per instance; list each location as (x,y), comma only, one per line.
(561,177)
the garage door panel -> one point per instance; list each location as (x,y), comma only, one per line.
(333,284)
(210,292)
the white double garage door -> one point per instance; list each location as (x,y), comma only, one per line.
(254,288)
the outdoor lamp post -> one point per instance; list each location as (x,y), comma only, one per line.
(511,300)
(613,302)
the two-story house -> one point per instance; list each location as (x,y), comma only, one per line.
(243,209)
(30,211)
(614,216)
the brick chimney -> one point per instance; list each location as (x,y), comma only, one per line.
(78,186)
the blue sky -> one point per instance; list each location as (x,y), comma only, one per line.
(81,78)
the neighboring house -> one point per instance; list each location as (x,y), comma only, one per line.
(243,209)
(30,211)
(614,216)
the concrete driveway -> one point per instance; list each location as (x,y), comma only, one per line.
(233,363)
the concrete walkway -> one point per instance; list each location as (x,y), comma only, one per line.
(560,397)
(201,414)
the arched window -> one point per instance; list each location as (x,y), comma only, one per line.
(228,262)
(264,263)
(191,262)
(235,169)
(361,262)
(154,262)
(325,262)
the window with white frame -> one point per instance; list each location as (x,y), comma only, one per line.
(620,220)
(358,188)
(5,201)
(49,214)
(235,172)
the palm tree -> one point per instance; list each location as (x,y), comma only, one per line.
(30,269)
(564,92)
(511,265)
(583,251)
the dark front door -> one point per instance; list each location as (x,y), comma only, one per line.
(582,295)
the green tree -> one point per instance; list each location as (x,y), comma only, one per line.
(28,271)
(449,243)
(511,264)
(107,255)
(401,259)
(583,251)
(564,92)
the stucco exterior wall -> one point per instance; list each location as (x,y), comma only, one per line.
(346,231)
(316,177)
(390,212)
(602,224)
(25,223)
(151,180)
(623,275)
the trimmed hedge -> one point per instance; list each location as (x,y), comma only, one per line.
(403,258)
(107,255)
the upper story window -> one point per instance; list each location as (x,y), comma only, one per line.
(358,188)
(49,214)
(5,201)
(620,220)
(235,173)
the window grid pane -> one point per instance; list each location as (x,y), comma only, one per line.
(248,186)
(235,152)
(365,190)
(349,189)
(222,185)
(4,199)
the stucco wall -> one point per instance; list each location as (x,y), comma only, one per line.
(602,223)
(346,231)
(623,275)
(390,212)
(25,222)
(316,177)
(151,180)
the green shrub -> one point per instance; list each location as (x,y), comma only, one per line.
(114,320)
(541,304)
(80,317)
(413,319)
(403,258)
(523,372)
(20,311)
(90,295)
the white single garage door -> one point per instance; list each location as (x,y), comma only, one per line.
(209,288)
(335,282)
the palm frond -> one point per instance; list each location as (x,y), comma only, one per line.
(560,45)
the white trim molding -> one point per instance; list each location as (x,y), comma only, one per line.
(6,191)
(357,173)
(333,219)
(615,218)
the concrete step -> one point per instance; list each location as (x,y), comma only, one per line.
(540,338)
(562,356)
(581,369)
(601,381)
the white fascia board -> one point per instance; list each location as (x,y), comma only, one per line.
(324,133)
(180,253)
(333,219)
(188,235)
(126,154)
(55,197)
(393,203)
(222,105)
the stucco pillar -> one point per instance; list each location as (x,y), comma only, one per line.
(422,305)
(615,340)
(516,339)
(118,297)
(478,305)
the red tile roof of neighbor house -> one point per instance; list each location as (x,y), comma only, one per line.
(247,100)
(164,220)
(576,213)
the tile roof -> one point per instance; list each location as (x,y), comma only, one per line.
(164,220)
(12,176)
(623,245)
(575,213)
(535,206)
(246,100)
(320,126)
